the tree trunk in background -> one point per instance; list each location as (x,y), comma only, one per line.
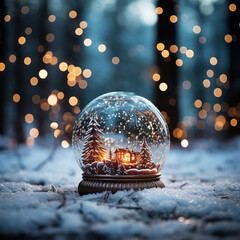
(19,78)
(166,34)
(233,97)
(2,81)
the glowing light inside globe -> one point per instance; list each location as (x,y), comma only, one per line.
(120,133)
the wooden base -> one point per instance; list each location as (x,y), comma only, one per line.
(113,183)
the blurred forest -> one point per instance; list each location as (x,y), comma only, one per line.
(56,56)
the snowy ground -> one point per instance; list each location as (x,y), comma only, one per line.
(201,199)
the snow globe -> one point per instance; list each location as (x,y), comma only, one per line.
(120,141)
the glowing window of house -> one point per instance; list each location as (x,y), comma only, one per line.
(127,156)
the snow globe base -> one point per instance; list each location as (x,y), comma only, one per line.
(114,183)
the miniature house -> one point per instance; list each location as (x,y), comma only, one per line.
(124,155)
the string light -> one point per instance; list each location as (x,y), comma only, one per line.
(83,24)
(52,100)
(34,132)
(156,77)
(43,73)
(72,14)
(163,86)
(2,66)
(159,10)
(33,81)
(65,144)
(73,101)
(21,40)
(115,60)
(184,143)
(102,48)
(87,42)
(197,29)
(16,97)
(29,118)
(160,46)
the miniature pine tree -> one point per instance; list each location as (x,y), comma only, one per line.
(93,149)
(145,154)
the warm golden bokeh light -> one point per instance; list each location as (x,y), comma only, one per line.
(28,30)
(78,31)
(82,84)
(12,58)
(21,40)
(34,132)
(33,81)
(16,97)
(213,61)
(210,73)
(232,7)
(223,78)
(51,18)
(206,83)
(115,60)
(72,14)
(217,107)
(54,125)
(173,18)
(43,73)
(165,53)
(2,66)
(77,71)
(160,46)
(87,73)
(57,133)
(29,118)
(156,77)
(7,18)
(76,110)
(233,122)
(202,114)
(184,143)
(65,144)
(73,101)
(87,42)
(102,48)
(60,95)
(163,86)
(198,103)
(177,133)
(50,37)
(183,49)
(217,92)
(25,10)
(52,100)
(189,53)
(83,24)
(197,29)
(173,48)
(159,10)
(228,38)
(179,62)
(63,66)
(27,60)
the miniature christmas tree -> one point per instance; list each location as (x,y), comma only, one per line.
(145,154)
(93,149)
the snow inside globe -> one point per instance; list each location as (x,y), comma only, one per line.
(120,133)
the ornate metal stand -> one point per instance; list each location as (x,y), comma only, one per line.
(113,183)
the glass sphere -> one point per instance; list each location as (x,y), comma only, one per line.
(120,133)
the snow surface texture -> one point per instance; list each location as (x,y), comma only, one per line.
(200,201)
